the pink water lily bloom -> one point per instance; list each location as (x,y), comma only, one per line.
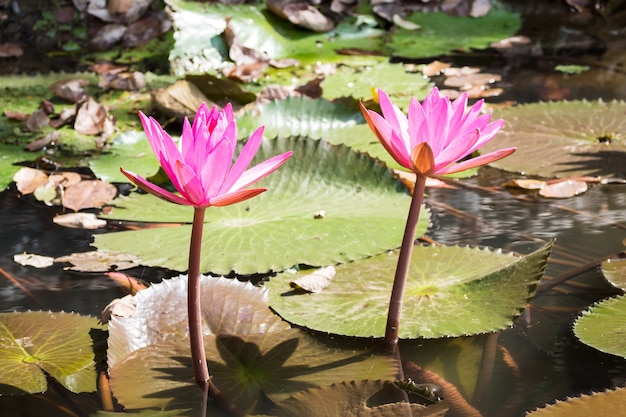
(445,131)
(201,166)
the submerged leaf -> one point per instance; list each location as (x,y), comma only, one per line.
(452,291)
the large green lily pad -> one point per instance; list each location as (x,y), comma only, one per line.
(607,403)
(439,33)
(251,351)
(603,326)
(353,399)
(200,48)
(36,343)
(130,148)
(451,291)
(564,139)
(326,205)
(229,307)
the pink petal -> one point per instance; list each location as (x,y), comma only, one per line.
(260,171)
(190,183)
(243,161)
(476,162)
(153,189)
(394,116)
(214,169)
(236,197)
(395,146)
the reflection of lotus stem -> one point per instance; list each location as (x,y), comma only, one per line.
(198,356)
(402,270)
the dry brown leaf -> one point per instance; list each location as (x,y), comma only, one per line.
(37,120)
(316,281)
(79,221)
(16,115)
(28,179)
(526,184)
(563,189)
(119,307)
(66,179)
(70,90)
(99,261)
(302,14)
(30,259)
(90,117)
(88,194)
(434,68)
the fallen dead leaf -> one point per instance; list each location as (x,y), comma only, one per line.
(90,117)
(37,120)
(70,90)
(316,281)
(29,179)
(434,68)
(564,189)
(30,259)
(79,221)
(119,307)
(88,194)
(99,261)
(526,184)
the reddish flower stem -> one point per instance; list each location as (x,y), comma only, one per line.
(198,356)
(402,270)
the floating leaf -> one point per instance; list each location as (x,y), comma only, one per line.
(563,189)
(130,149)
(88,194)
(199,48)
(352,399)
(30,259)
(365,213)
(254,351)
(315,281)
(58,344)
(607,403)
(563,139)
(79,221)
(229,306)
(603,326)
(614,270)
(440,33)
(95,261)
(452,291)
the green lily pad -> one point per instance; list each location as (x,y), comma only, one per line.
(451,291)
(614,271)
(352,399)
(229,307)
(360,82)
(249,348)
(439,33)
(607,403)
(574,138)
(199,48)
(36,343)
(130,148)
(244,368)
(603,326)
(9,155)
(326,205)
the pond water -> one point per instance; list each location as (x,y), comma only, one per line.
(536,361)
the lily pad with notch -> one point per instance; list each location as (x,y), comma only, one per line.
(451,291)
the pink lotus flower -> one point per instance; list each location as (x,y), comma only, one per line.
(436,134)
(201,167)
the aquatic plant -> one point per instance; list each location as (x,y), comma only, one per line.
(431,140)
(201,169)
